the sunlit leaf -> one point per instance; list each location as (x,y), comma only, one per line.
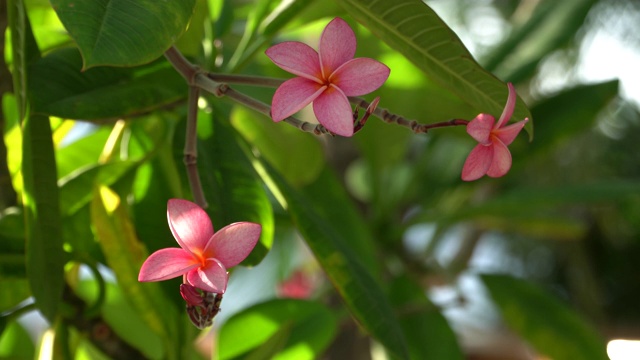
(302,329)
(16,343)
(123,32)
(413,29)
(125,254)
(553,328)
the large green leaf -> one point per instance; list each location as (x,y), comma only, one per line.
(552,25)
(427,332)
(275,141)
(125,254)
(553,328)
(40,197)
(570,112)
(123,32)
(233,189)
(415,30)
(333,250)
(60,88)
(310,327)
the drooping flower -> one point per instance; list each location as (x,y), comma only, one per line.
(204,256)
(325,77)
(491,156)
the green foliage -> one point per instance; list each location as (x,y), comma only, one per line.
(94,133)
(109,32)
(290,329)
(550,326)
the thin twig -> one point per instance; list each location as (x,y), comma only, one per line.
(413,125)
(246,80)
(191,148)
(205,82)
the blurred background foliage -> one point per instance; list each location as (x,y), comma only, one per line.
(538,264)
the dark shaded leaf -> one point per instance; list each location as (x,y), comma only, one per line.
(60,88)
(552,327)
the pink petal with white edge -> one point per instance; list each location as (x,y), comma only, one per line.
(167,264)
(477,163)
(508,108)
(480,128)
(292,96)
(508,133)
(501,160)
(297,58)
(337,45)
(189,224)
(234,242)
(332,109)
(360,76)
(212,278)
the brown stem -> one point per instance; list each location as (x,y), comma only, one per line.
(413,125)
(97,330)
(191,148)
(246,80)
(221,89)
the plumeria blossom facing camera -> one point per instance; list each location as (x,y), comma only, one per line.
(491,156)
(204,256)
(325,78)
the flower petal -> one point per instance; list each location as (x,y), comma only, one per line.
(508,133)
(166,264)
(212,277)
(480,128)
(360,76)
(508,108)
(477,163)
(297,58)
(233,243)
(333,110)
(292,96)
(337,45)
(190,225)
(501,162)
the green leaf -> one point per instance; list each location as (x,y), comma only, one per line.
(76,190)
(123,318)
(123,32)
(14,291)
(233,189)
(125,254)
(60,88)
(15,343)
(427,331)
(553,328)
(302,329)
(552,25)
(415,30)
(275,142)
(24,51)
(333,250)
(40,197)
(333,204)
(571,112)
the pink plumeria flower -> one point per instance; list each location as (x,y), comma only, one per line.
(491,156)
(203,257)
(325,77)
